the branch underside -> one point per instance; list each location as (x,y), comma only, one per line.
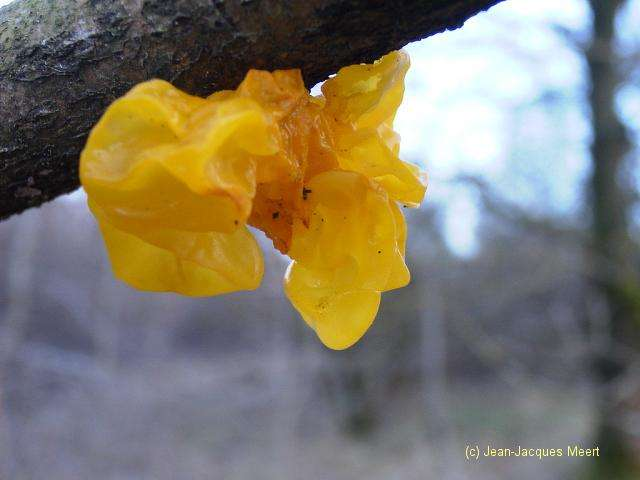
(63,61)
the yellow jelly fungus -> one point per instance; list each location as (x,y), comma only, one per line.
(173,181)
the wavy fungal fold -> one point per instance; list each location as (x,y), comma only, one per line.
(174,180)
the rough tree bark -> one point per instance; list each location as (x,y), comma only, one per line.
(63,61)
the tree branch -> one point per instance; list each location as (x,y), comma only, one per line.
(63,61)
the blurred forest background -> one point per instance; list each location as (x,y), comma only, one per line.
(521,325)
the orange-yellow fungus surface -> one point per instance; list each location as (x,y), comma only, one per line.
(173,181)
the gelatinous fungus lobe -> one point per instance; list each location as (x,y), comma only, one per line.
(173,181)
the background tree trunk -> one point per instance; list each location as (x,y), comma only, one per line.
(63,61)
(613,258)
(20,272)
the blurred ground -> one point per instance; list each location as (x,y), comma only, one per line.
(112,383)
